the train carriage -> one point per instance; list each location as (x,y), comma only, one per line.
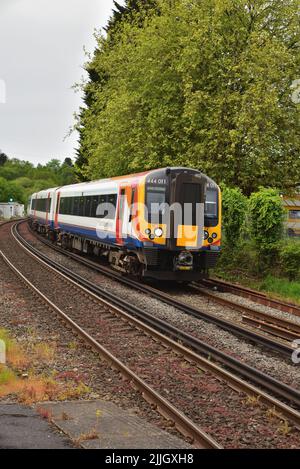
(163,224)
(41,210)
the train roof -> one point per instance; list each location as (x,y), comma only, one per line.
(91,185)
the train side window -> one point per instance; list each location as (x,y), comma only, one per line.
(48,203)
(76,206)
(132,214)
(95,203)
(87,206)
(111,206)
(106,207)
(81,206)
(62,206)
(102,206)
(69,207)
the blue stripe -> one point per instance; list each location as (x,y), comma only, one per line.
(91,234)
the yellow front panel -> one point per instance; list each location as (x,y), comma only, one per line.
(144,224)
(187,236)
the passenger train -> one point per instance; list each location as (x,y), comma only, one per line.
(162,224)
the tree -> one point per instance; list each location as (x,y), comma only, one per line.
(266,222)
(234,208)
(19,179)
(128,13)
(98,76)
(203,84)
(3,158)
(68,162)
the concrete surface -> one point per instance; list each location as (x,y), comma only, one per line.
(100,424)
(22,428)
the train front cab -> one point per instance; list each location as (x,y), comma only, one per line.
(182,252)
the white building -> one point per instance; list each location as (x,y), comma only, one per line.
(11,210)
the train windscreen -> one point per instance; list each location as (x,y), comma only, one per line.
(155,200)
(211,208)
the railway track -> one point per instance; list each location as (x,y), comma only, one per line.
(109,314)
(275,344)
(190,356)
(256,296)
(278,327)
(233,365)
(255,376)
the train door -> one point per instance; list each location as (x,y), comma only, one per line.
(48,204)
(188,190)
(56,210)
(125,215)
(120,228)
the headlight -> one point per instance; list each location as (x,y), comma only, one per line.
(148,231)
(214,235)
(158,232)
(210,240)
(206,234)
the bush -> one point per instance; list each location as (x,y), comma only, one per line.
(266,223)
(234,207)
(290,259)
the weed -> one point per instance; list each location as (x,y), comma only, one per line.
(65,416)
(91,435)
(45,352)
(72,345)
(273,414)
(6,376)
(284,427)
(252,401)
(45,413)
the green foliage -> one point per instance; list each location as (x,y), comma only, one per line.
(281,287)
(10,190)
(3,158)
(203,84)
(234,208)
(19,179)
(266,218)
(290,259)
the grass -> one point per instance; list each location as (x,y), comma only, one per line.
(6,376)
(276,287)
(18,379)
(241,265)
(281,287)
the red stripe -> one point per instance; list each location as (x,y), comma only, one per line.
(56,211)
(118,220)
(48,208)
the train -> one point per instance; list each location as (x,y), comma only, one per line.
(162,224)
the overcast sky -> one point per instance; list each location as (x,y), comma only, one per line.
(41,57)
